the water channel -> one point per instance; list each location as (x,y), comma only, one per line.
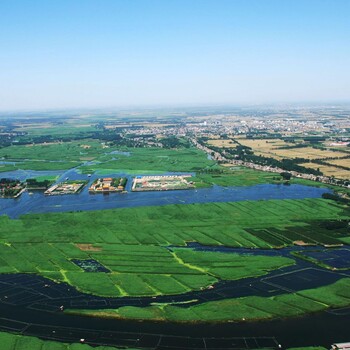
(37,202)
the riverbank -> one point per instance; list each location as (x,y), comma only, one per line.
(247,309)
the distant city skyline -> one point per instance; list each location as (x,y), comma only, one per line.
(110,53)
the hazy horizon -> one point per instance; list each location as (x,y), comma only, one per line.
(183,107)
(144,54)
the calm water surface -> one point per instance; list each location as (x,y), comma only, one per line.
(37,202)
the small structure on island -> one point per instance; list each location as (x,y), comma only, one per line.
(162,182)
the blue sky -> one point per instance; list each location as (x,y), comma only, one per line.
(110,53)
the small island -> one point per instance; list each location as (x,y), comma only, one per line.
(40,183)
(11,188)
(162,183)
(67,187)
(108,184)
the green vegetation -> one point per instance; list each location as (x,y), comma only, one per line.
(7,167)
(235,176)
(174,142)
(212,223)
(41,182)
(156,160)
(132,242)
(10,187)
(161,271)
(58,151)
(58,131)
(11,341)
(239,309)
(50,178)
(229,266)
(66,155)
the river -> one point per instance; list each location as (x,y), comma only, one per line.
(37,202)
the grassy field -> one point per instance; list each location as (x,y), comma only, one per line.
(161,271)
(154,159)
(308,153)
(237,176)
(272,148)
(40,129)
(7,167)
(67,155)
(266,147)
(122,238)
(341,162)
(67,151)
(329,170)
(51,178)
(19,342)
(239,309)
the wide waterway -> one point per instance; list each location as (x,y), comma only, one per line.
(37,202)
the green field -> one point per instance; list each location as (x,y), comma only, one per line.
(19,342)
(126,241)
(59,131)
(67,155)
(237,176)
(161,271)
(143,160)
(239,309)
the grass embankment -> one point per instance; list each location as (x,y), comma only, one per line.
(130,242)
(240,309)
(20,342)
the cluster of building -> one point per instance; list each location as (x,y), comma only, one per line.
(65,188)
(162,183)
(285,121)
(11,188)
(108,184)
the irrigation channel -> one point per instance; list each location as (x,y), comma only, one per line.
(37,202)
(30,304)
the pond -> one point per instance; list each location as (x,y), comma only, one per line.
(90,265)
